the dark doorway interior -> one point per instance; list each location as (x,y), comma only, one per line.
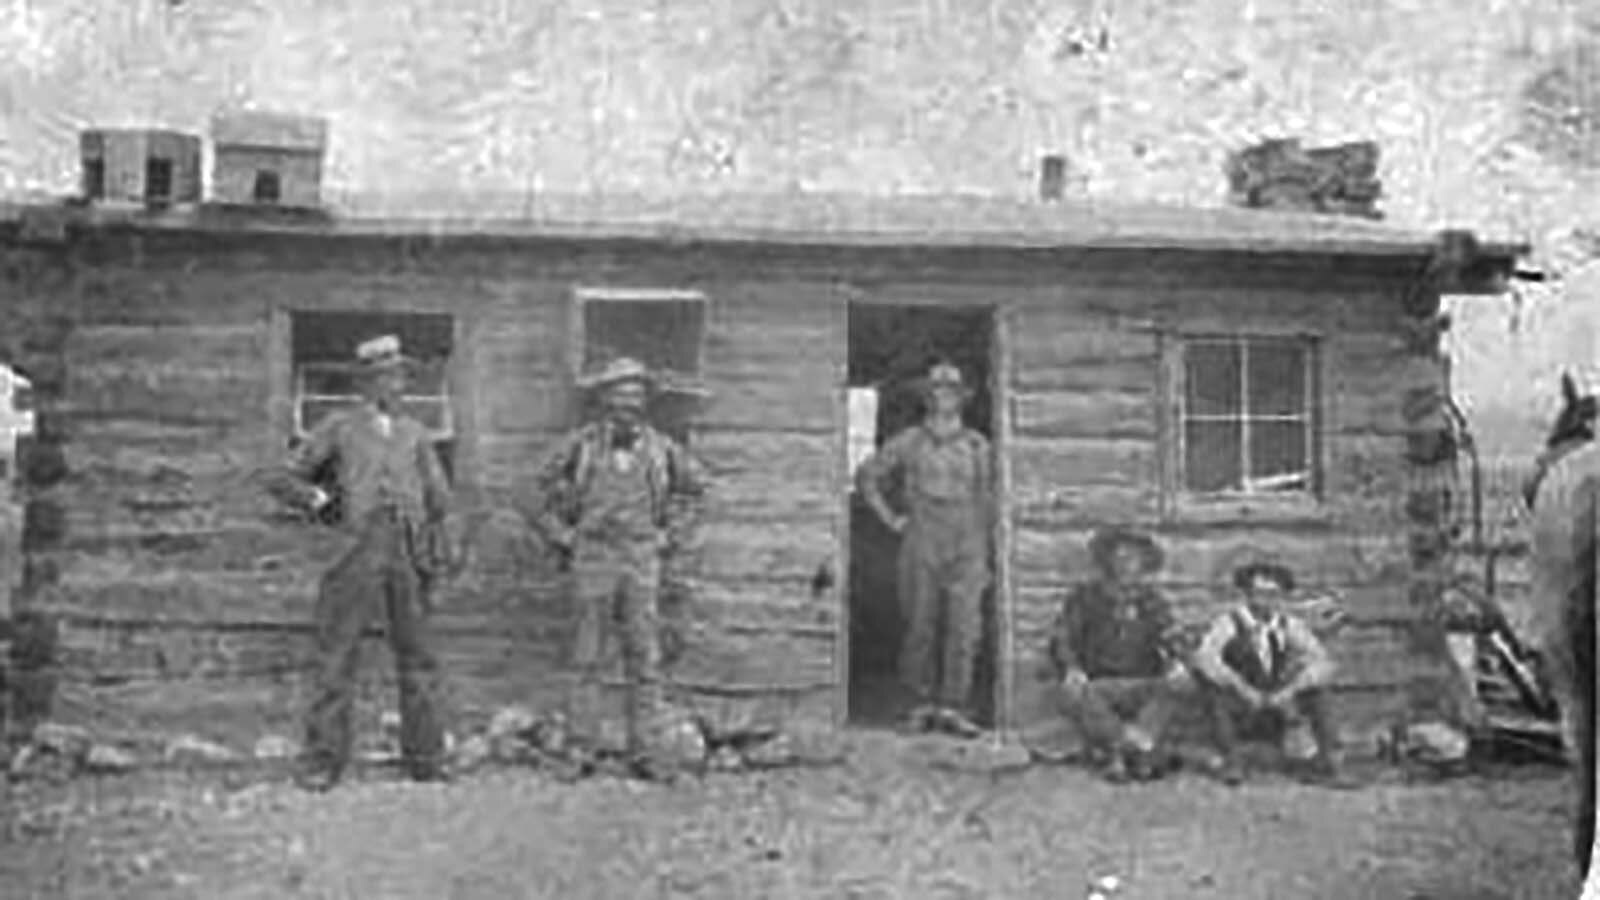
(889,347)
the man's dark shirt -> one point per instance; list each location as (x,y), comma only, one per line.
(1112,631)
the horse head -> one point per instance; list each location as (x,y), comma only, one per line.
(1574,427)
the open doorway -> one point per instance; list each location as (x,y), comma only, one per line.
(889,348)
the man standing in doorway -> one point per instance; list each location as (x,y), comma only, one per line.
(945,475)
(393,493)
(614,500)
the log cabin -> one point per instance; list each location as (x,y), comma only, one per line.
(1233,381)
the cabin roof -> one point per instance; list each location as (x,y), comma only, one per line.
(821,219)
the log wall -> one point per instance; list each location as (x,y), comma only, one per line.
(184,602)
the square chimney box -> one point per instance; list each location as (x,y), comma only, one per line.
(267,159)
(140,166)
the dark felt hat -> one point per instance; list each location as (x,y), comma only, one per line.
(1106,541)
(1244,577)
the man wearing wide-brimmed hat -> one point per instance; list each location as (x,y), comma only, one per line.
(393,491)
(945,470)
(614,497)
(1112,655)
(1260,666)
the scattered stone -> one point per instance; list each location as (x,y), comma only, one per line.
(780,751)
(1299,744)
(189,749)
(107,759)
(71,741)
(679,742)
(30,762)
(276,747)
(987,757)
(472,753)
(513,721)
(726,759)
(817,745)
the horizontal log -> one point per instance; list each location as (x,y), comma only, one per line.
(1115,415)
(742,551)
(1208,556)
(103,654)
(178,396)
(713,655)
(770,496)
(754,338)
(1081,461)
(1081,356)
(797,397)
(1056,507)
(771,603)
(517,404)
(167,351)
(811,461)
(277,597)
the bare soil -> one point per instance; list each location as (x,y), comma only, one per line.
(881,826)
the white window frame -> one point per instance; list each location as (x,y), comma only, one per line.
(1310,414)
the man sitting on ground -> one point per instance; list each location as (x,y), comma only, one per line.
(1260,668)
(1118,679)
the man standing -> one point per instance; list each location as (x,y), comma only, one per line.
(1260,666)
(615,493)
(393,492)
(945,478)
(1111,654)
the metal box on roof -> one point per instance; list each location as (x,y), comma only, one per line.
(268,158)
(146,166)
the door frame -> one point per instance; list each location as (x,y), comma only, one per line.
(1001,414)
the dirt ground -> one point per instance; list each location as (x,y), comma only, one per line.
(881,826)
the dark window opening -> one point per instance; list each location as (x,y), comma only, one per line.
(1248,407)
(323,346)
(158,178)
(94,179)
(665,333)
(268,188)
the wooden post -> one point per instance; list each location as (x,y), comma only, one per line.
(1005,636)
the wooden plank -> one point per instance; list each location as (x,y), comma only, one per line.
(177,395)
(166,350)
(282,600)
(517,404)
(1057,507)
(1052,355)
(744,551)
(716,656)
(805,458)
(1082,461)
(104,654)
(778,604)
(1206,556)
(788,399)
(1114,415)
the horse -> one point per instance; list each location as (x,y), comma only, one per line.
(1562,495)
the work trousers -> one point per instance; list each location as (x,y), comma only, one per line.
(1103,707)
(943,572)
(1230,717)
(618,583)
(378,574)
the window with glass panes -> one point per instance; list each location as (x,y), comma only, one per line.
(326,375)
(1248,416)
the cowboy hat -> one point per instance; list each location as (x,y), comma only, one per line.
(1245,576)
(619,371)
(381,354)
(943,375)
(1106,541)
